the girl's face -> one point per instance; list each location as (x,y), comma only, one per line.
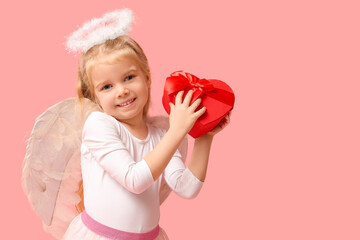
(121,89)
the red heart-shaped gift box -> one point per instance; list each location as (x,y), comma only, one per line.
(216,96)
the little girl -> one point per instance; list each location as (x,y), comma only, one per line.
(124,157)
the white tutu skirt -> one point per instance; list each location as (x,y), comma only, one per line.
(78,231)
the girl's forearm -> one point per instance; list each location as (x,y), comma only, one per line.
(200,156)
(160,156)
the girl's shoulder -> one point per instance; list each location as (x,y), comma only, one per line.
(96,118)
(99,123)
(99,115)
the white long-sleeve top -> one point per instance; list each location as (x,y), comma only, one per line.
(119,190)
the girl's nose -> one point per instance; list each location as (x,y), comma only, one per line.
(122,91)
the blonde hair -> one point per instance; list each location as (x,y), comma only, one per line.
(109,52)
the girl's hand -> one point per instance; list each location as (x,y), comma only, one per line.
(182,115)
(222,124)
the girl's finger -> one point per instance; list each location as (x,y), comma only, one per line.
(227,119)
(188,97)
(195,105)
(200,112)
(179,96)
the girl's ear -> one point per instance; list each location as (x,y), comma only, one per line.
(148,82)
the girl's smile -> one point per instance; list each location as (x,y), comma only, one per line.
(127,103)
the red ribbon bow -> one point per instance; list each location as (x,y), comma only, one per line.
(181,80)
(185,81)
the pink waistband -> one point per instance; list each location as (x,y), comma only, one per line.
(116,234)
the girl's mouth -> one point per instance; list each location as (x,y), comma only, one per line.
(127,103)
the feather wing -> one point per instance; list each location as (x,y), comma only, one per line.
(52,169)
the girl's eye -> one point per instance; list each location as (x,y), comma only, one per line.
(128,78)
(106,87)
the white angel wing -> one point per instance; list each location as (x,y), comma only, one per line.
(52,171)
(163,122)
(52,164)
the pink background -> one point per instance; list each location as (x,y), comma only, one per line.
(287,167)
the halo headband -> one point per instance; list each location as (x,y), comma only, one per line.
(98,30)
